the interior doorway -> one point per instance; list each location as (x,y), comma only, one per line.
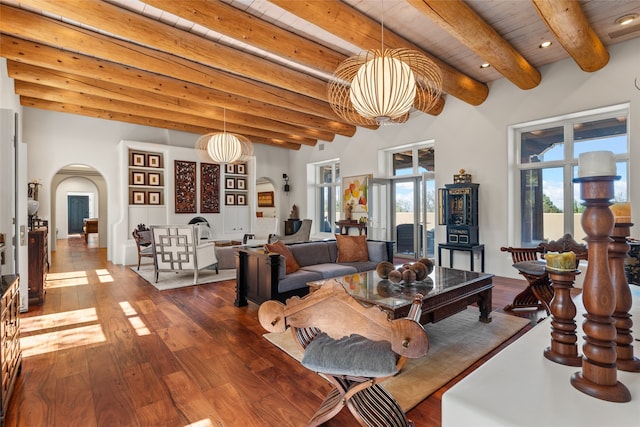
(78,180)
(77,211)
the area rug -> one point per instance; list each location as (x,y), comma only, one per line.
(173,280)
(455,344)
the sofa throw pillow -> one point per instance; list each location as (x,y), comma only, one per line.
(352,248)
(290,260)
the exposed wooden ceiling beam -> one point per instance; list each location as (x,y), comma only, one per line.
(465,25)
(42,104)
(86,85)
(30,26)
(59,95)
(347,23)
(36,54)
(570,27)
(142,30)
(239,25)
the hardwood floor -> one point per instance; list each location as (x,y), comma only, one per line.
(107,349)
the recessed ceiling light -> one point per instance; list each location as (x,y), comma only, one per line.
(544,44)
(626,19)
(485,65)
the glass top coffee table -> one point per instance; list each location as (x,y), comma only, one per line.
(446,291)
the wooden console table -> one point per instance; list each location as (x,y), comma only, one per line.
(472,249)
(90,226)
(346,225)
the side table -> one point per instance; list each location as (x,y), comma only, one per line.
(472,249)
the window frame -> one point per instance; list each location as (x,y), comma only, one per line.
(568,163)
(316,187)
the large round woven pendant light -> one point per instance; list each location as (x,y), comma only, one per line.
(224,147)
(382,86)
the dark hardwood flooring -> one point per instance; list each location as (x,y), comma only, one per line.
(107,349)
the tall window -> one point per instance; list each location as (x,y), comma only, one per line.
(548,201)
(327,196)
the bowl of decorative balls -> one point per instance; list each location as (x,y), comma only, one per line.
(407,279)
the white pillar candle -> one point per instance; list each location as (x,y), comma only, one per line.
(596,163)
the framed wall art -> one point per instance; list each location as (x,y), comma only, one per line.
(355,199)
(230,183)
(137,178)
(154,179)
(230,199)
(241,169)
(154,161)
(265,199)
(154,198)
(241,199)
(185,179)
(209,188)
(137,159)
(138,197)
(241,183)
(230,168)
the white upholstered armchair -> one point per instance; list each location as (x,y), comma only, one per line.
(177,248)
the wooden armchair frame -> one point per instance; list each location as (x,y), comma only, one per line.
(539,292)
(144,244)
(331,310)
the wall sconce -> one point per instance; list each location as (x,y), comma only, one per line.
(286,182)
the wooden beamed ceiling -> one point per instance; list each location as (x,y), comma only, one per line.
(256,75)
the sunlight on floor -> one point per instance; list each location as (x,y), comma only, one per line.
(57,320)
(69,278)
(201,423)
(104,276)
(135,320)
(61,340)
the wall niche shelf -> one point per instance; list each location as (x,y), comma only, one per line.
(236,184)
(146,178)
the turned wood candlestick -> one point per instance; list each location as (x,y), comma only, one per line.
(618,250)
(598,377)
(564,347)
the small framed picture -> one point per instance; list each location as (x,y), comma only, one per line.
(230,168)
(153,161)
(241,183)
(231,199)
(154,197)
(230,183)
(154,178)
(240,168)
(138,159)
(138,197)
(241,199)
(137,178)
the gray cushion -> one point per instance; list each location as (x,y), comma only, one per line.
(352,355)
(297,280)
(377,251)
(361,265)
(331,270)
(226,257)
(311,253)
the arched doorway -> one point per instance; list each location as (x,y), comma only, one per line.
(71,186)
(266,220)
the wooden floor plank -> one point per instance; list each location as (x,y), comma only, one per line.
(108,349)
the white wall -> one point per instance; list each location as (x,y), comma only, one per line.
(11,172)
(475,138)
(469,137)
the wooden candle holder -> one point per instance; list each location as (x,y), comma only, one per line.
(618,250)
(598,377)
(564,347)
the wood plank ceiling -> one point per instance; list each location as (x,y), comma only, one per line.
(260,67)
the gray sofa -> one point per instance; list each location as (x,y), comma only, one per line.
(260,276)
